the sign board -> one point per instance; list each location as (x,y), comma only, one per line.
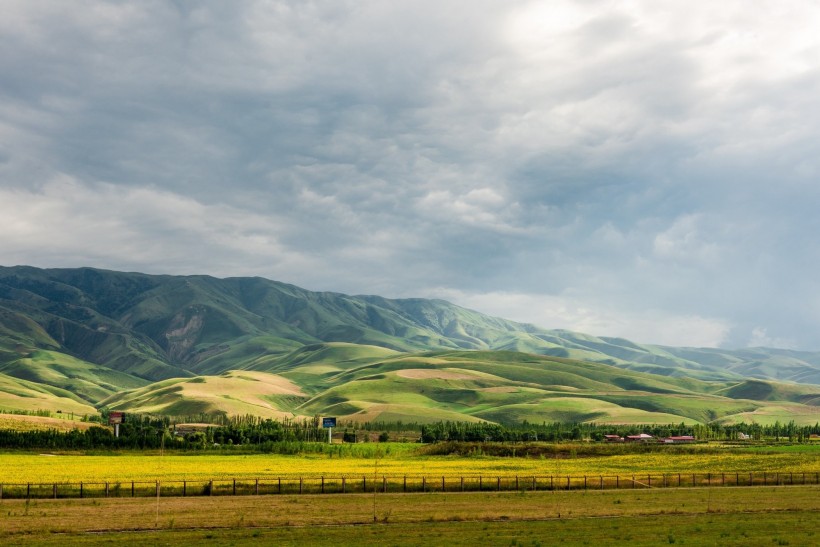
(115,418)
(328,422)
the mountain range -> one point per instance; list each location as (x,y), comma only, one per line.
(78,339)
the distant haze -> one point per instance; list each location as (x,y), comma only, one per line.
(638,169)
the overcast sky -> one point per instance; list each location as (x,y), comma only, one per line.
(645,169)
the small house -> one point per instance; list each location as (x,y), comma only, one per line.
(679,439)
(642,438)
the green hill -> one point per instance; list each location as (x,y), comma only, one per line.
(366,383)
(101,335)
(17,395)
(156,327)
(231,393)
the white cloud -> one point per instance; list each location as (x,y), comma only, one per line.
(562,312)
(686,240)
(68,223)
(760,338)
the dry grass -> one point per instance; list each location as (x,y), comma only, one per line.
(21,422)
(45,517)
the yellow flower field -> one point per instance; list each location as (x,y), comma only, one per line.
(23,468)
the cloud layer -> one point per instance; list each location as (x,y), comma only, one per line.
(638,169)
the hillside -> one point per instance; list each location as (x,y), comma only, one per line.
(94,336)
(157,327)
(365,384)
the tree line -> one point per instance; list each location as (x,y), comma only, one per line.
(143,432)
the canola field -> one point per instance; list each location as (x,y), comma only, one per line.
(390,461)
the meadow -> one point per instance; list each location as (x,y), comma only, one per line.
(399,459)
(724,516)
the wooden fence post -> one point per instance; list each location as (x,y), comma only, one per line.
(256,487)
(55,490)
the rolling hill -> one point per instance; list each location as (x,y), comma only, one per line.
(365,383)
(174,344)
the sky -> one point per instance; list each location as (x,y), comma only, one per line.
(642,169)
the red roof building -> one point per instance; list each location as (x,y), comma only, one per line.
(642,438)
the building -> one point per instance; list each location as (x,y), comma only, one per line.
(679,439)
(642,438)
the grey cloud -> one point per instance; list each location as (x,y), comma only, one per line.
(617,157)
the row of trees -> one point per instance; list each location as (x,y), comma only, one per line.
(556,431)
(151,432)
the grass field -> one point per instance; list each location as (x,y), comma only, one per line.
(730,516)
(396,460)
(20,422)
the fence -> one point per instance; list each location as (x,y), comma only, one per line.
(396,484)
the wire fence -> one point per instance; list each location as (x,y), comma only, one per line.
(395,484)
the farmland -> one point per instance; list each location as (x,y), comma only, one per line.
(396,459)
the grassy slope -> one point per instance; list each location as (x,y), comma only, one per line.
(40,423)
(372,383)
(158,327)
(16,394)
(75,328)
(86,380)
(234,393)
